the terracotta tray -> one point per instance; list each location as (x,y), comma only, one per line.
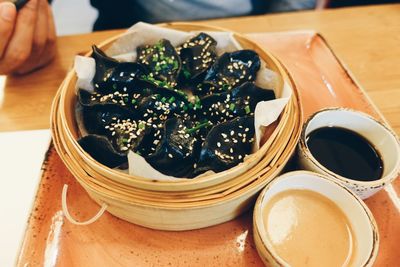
(50,240)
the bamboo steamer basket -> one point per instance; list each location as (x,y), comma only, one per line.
(214,191)
(67,107)
(188,215)
(184,216)
(186,204)
(100,180)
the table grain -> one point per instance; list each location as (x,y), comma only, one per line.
(366,39)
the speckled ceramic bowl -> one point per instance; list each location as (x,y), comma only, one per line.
(359,216)
(378,134)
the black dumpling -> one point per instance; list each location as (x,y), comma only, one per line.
(95,118)
(126,97)
(128,134)
(226,145)
(218,108)
(253,94)
(238,102)
(150,141)
(111,73)
(104,65)
(178,150)
(160,107)
(162,62)
(101,149)
(122,99)
(197,56)
(126,72)
(230,70)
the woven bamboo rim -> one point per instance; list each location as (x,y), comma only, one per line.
(251,189)
(101,183)
(67,119)
(121,192)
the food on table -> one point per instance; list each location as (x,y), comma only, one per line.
(230,70)
(197,56)
(238,102)
(111,73)
(183,109)
(162,62)
(178,148)
(227,144)
(306,228)
(100,148)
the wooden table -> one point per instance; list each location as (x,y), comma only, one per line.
(367,39)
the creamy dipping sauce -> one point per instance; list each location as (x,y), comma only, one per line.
(308,229)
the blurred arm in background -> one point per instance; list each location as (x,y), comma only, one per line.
(124,13)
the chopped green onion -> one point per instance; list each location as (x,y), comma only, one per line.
(186,73)
(175,63)
(158,45)
(197,103)
(160,83)
(232,106)
(114,86)
(225,87)
(163,99)
(133,101)
(181,93)
(171,100)
(198,127)
(142,125)
(247,109)
(148,78)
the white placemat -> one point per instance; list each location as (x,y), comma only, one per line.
(21,157)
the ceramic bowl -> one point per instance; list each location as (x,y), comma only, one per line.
(361,220)
(378,134)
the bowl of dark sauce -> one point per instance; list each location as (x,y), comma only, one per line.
(351,147)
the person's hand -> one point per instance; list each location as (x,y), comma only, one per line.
(27,38)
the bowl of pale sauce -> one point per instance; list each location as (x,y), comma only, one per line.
(307,219)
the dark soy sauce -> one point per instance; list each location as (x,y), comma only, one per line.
(346,153)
